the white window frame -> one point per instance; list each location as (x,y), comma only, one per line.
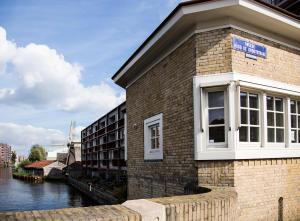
(297,114)
(149,153)
(206,117)
(235,149)
(249,144)
(276,144)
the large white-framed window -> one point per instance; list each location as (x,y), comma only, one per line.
(153,138)
(238,116)
(250,118)
(275,120)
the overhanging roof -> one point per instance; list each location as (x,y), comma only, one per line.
(188,14)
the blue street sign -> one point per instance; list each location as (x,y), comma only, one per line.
(249,48)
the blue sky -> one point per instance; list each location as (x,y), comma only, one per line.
(58,56)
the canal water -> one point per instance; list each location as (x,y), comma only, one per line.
(17,195)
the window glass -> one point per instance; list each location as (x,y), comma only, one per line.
(243,99)
(244,134)
(154,132)
(216,99)
(250,120)
(216,117)
(254,134)
(275,119)
(271,135)
(293,106)
(253,100)
(279,104)
(270,103)
(216,134)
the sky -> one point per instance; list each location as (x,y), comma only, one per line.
(56,62)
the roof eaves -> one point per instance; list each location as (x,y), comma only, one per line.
(187,3)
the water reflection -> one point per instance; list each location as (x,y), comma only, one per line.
(17,195)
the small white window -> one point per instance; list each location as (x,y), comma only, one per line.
(153,138)
(249,117)
(275,119)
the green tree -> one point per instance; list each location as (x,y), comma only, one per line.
(37,153)
(24,163)
(13,157)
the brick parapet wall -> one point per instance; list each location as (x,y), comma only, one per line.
(219,204)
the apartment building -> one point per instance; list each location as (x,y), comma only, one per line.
(213,98)
(5,154)
(102,151)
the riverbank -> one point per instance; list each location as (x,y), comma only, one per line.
(29,178)
(101,196)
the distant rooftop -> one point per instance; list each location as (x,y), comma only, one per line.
(39,164)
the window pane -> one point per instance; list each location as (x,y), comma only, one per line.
(294,136)
(152,143)
(271,135)
(243,98)
(216,99)
(298,122)
(157,130)
(253,100)
(216,134)
(270,116)
(279,120)
(216,116)
(279,135)
(157,143)
(279,104)
(254,134)
(244,117)
(270,104)
(254,118)
(298,136)
(244,134)
(298,107)
(293,106)
(294,121)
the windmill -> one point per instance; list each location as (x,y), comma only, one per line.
(68,145)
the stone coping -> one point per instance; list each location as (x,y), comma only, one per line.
(218,204)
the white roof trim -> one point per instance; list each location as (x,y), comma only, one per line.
(206,6)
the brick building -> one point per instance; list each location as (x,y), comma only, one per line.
(213,97)
(5,154)
(102,150)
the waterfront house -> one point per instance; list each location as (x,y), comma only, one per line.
(213,98)
(50,168)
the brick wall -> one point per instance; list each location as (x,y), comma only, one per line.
(282,63)
(167,89)
(213,52)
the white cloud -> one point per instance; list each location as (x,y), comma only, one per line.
(46,79)
(22,137)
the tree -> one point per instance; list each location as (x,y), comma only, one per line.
(13,157)
(24,163)
(37,153)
